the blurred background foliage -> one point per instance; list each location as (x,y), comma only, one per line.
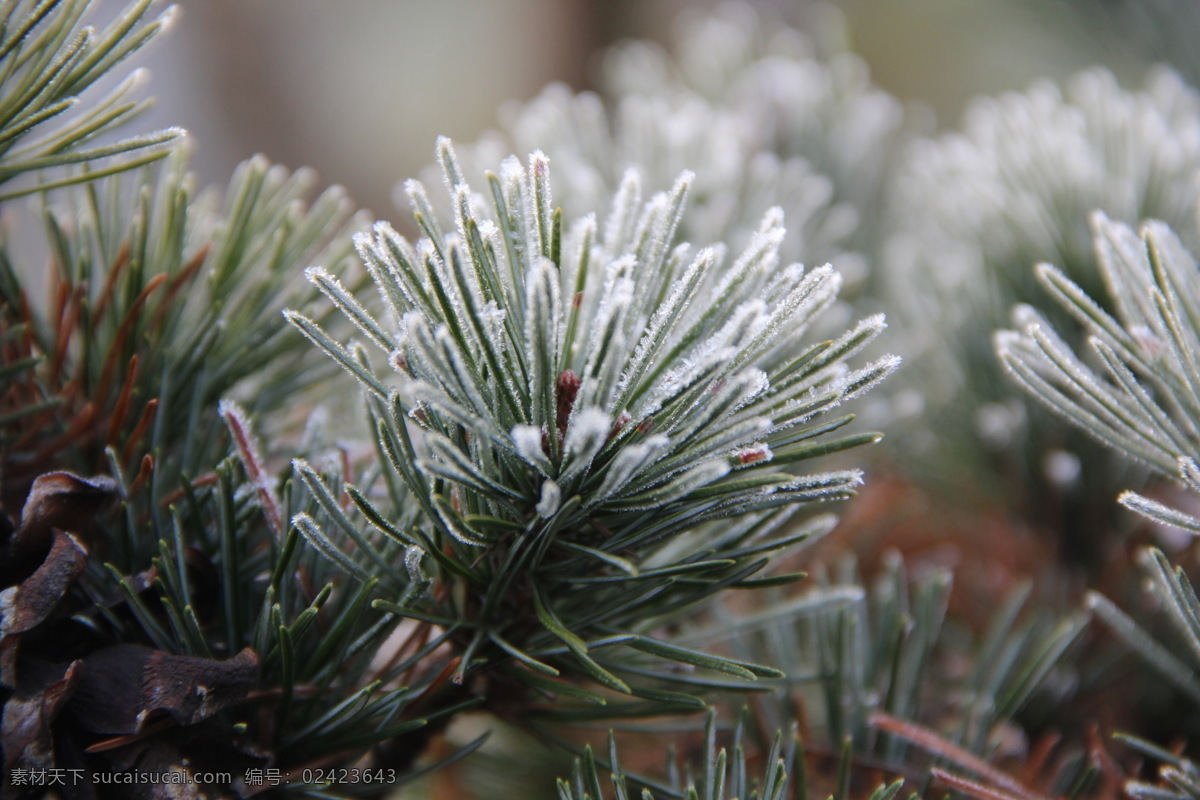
(359,88)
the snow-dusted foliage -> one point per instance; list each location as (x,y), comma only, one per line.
(770,121)
(1137,390)
(975,209)
(972,213)
(801,93)
(1145,399)
(582,400)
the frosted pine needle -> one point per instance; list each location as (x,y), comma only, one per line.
(566,397)
(772,122)
(974,211)
(1141,399)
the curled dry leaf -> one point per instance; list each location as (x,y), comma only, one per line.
(124,685)
(26,730)
(28,604)
(155,703)
(57,500)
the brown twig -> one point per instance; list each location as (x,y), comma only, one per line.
(930,741)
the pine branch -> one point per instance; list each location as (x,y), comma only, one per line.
(772,121)
(799,94)
(853,650)
(231,650)
(577,411)
(49,58)
(160,305)
(974,211)
(1144,405)
(719,772)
